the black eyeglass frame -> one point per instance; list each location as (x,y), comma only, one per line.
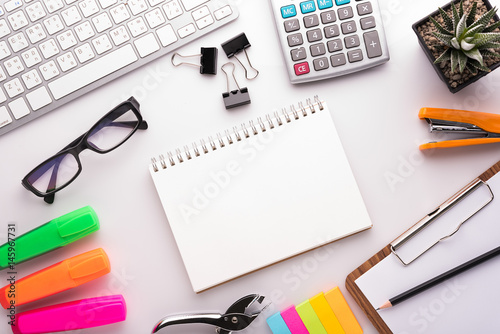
(81,143)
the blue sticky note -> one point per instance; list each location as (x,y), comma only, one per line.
(342,2)
(323,4)
(288,11)
(307,7)
(277,324)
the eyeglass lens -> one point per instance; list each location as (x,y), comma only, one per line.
(113,129)
(55,173)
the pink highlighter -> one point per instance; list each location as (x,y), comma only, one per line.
(73,315)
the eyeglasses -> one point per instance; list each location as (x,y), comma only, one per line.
(112,130)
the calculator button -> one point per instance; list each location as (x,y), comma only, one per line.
(364,8)
(301,68)
(291,25)
(332,31)
(298,54)
(335,45)
(295,39)
(355,55)
(328,17)
(317,49)
(320,64)
(372,44)
(345,13)
(311,21)
(348,27)
(338,60)
(342,2)
(314,35)
(307,7)
(367,22)
(323,4)
(288,11)
(351,41)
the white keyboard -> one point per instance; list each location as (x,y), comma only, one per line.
(52,51)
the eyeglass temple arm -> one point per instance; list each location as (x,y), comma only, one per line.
(130,124)
(52,183)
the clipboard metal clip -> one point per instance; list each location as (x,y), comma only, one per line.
(433,216)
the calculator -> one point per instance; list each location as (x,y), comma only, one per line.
(322,39)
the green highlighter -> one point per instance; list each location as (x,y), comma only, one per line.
(56,233)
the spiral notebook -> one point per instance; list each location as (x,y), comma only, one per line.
(259,193)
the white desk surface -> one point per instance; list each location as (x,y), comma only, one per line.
(375,112)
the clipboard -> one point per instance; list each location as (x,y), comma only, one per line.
(394,246)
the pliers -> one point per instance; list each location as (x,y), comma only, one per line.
(483,127)
(235,318)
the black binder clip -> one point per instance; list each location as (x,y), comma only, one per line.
(234,46)
(208,60)
(237,97)
(237,317)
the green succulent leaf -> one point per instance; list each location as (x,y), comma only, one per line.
(490,54)
(455,16)
(471,17)
(446,55)
(460,27)
(466,46)
(492,27)
(489,46)
(485,18)
(448,22)
(481,39)
(439,27)
(471,32)
(462,61)
(445,39)
(474,54)
(461,8)
(471,69)
(477,65)
(454,60)
(454,43)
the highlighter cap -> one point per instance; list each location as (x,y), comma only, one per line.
(55,234)
(80,314)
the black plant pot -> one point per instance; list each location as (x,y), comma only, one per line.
(431,58)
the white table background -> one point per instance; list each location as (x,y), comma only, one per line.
(375,112)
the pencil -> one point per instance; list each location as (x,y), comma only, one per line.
(439,279)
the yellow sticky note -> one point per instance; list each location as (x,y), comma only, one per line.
(310,319)
(326,315)
(343,312)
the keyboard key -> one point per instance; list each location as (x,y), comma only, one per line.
(31,79)
(18,20)
(18,42)
(328,17)
(155,2)
(324,4)
(314,35)
(367,22)
(288,11)
(4,115)
(88,7)
(1,11)
(351,41)
(172,9)
(190,4)
(186,30)
(31,57)
(311,21)
(67,39)
(166,35)
(200,13)
(53,5)
(334,45)
(12,5)
(317,49)
(295,39)
(338,60)
(137,6)
(102,44)
(84,31)
(4,50)
(320,64)
(102,22)
(298,54)
(372,44)
(146,45)
(137,26)
(364,8)
(222,12)
(19,108)
(14,66)
(71,16)
(4,28)
(155,18)
(345,13)
(13,87)
(307,7)
(36,11)
(2,74)
(36,33)
(119,13)
(39,98)
(204,22)
(355,55)
(53,24)
(49,48)
(119,35)
(301,68)
(3,98)
(107,3)
(49,70)
(67,61)
(342,2)
(348,27)
(84,52)
(291,25)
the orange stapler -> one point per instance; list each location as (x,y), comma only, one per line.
(484,128)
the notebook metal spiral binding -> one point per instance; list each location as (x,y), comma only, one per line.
(237,134)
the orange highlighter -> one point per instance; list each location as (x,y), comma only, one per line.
(59,277)
(483,128)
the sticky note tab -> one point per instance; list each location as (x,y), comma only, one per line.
(343,312)
(277,324)
(310,319)
(293,321)
(326,315)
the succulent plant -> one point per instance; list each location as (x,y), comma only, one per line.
(468,41)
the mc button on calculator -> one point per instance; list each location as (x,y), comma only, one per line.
(322,39)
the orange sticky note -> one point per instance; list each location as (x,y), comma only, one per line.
(326,315)
(59,277)
(343,312)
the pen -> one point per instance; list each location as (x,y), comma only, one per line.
(441,278)
(59,277)
(52,235)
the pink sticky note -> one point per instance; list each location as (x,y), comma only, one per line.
(293,321)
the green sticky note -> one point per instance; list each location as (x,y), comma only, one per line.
(310,319)
(52,235)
